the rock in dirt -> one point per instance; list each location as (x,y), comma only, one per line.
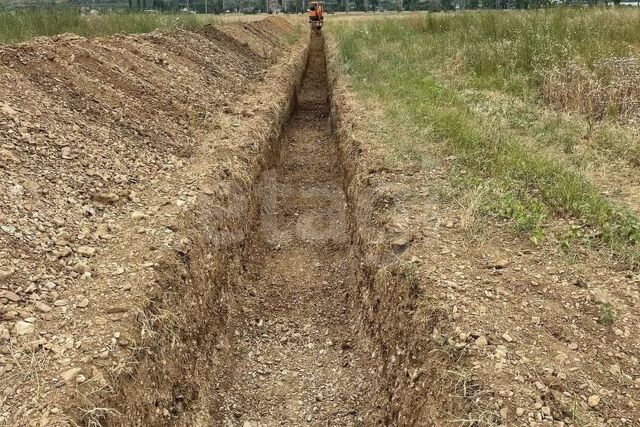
(481,341)
(81,268)
(97,377)
(69,376)
(40,306)
(106,198)
(594,400)
(7,110)
(11,296)
(7,156)
(500,264)
(87,251)
(402,241)
(24,328)
(137,215)
(5,274)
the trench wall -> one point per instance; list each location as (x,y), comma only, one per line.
(182,363)
(413,386)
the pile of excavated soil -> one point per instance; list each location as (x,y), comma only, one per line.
(107,148)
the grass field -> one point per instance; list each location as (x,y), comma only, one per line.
(509,96)
(24,25)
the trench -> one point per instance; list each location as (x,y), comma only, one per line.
(297,358)
(285,308)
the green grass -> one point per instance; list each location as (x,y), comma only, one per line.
(23,25)
(607,315)
(422,70)
(516,50)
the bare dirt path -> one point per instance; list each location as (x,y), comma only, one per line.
(298,359)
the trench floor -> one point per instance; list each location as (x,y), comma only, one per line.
(298,358)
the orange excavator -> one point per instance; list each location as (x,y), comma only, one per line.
(316,17)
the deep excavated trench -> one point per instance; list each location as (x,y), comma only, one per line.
(269,298)
(285,320)
(298,359)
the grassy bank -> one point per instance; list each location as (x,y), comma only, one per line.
(23,25)
(429,73)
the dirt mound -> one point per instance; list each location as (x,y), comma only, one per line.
(99,145)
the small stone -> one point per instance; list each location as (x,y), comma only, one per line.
(7,156)
(501,352)
(7,110)
(69,375)
(519,412)
(137,215)
(573,346)
(11,296)
(65,252)
(60,303)
(481,341)
(615,370)
(87,251)
(500,264)
(97,377)
(402,241)
(66,153)
(594,400)
(40,306)
(83,304)
(504,412)
(106,198)
(81,268)
(23,328)
(5,274)
(507,337)
(102,232)
(80,379)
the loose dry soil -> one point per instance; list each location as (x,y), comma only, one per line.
(196,231)
(298,359)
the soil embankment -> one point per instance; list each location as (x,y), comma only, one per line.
(127,174)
